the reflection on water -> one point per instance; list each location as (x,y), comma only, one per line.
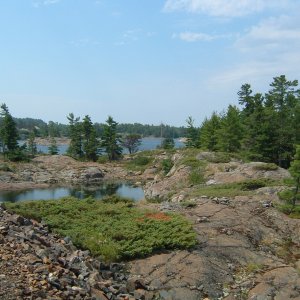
(80,192)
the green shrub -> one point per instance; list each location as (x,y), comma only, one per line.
(220,157)
(287,195)
(196,177)
(102,159)
(167,165)
(188,204)
(112,230)
(266,167)
(5,167)
(253,184)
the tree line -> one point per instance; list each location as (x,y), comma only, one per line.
(26,126)
(264,128)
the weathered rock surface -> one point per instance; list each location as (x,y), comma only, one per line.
(246,251)
(44,171)
(35,264)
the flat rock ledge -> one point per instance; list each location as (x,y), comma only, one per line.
(36,264)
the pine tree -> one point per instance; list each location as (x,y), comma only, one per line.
(31,146)
(75,128)
(282,100)
(8,131)
(90,143)
(209,132)
(231,131)
(295,172)
(52,149)
(192,138)
(111,140)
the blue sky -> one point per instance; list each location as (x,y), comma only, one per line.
(144,61)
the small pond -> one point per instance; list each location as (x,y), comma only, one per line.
(80,192)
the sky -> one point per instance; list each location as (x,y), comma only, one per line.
(145,61)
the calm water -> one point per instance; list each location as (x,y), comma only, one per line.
(147,144)
(97,192)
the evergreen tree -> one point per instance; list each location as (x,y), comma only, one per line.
(231,131)
(209,132)
(167,143)
(31,145)
(131,142)
(111,140)
(192,137)
(8,131)
(282,100)
(295,172)
(90,143)
(75,133)
(52,149)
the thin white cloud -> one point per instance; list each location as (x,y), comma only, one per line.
(39,3)
(225,8)
(267,49)
(198,36)
(274,34)
(193,37)
(129,36)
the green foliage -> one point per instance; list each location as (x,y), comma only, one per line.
(196,177)
(220,157)
(52,149)
(141,160)
(209,132)
(75,129)
(188,204)
(5,167)
(167,165)
(131,142)
(102,159)
(254,184)
(266,167)
(90,142)
(231,131)
(112,231)
(111,140)
(167,143)
(192,137)
(8,133)
(290,210)
(234,189)
(295,172)
(31,145)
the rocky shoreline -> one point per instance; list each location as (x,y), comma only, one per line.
(36,264)
(246,249)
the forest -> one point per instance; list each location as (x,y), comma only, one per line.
(265,127)
(54,129)
(261,127)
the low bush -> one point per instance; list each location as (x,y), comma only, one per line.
(254,184)
(196,177)
(167,165)
(266,167)
(110,231)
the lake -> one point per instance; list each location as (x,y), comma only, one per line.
(101,190)
(148,143)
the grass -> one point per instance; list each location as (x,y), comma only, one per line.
(167,165)
(266,167)
(112,230)
(140,161)
(288,209)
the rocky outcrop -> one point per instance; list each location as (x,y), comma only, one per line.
(237,171)
(246,250)
(35,264)
(43,171)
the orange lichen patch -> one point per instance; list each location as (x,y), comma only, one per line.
(158,216)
